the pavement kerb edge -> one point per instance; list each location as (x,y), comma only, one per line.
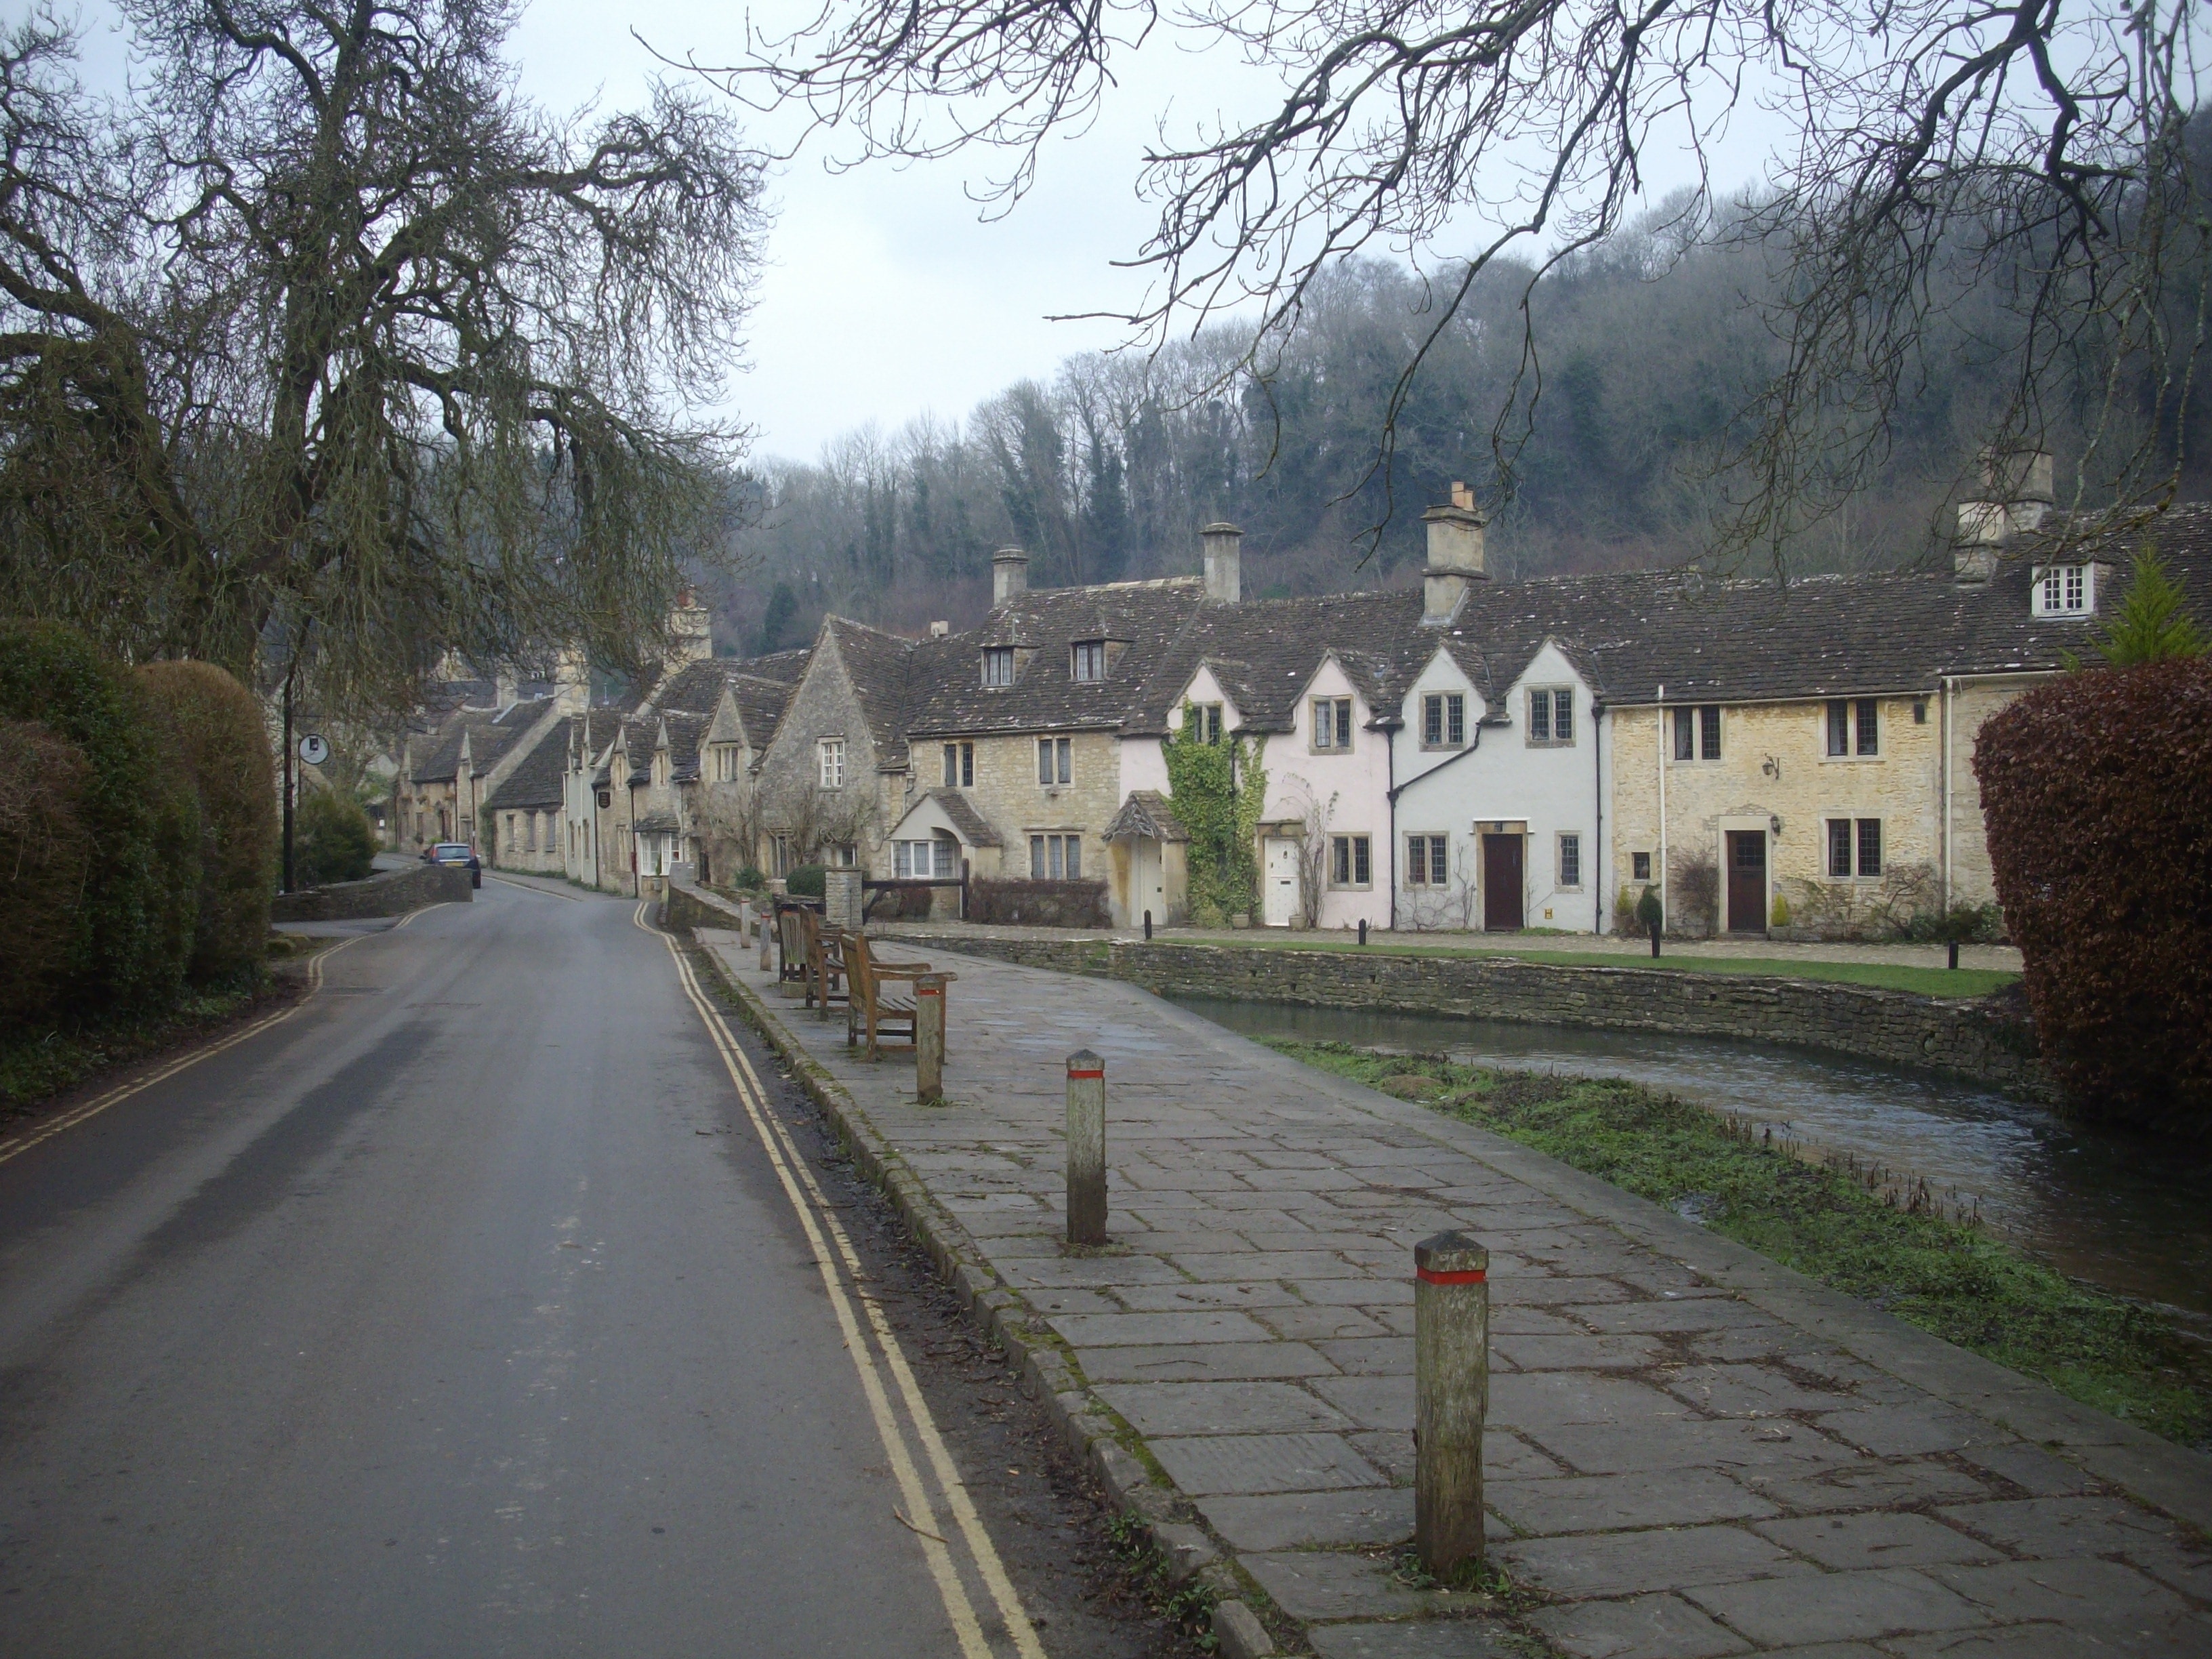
(1139,1486)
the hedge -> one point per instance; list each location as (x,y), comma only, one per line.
(2097,793)
(332,839)
(224,743)
(44,853)
(1040,904)
(131,933)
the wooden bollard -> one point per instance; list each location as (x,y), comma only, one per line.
(929,1037)
(1087,1148)
(1451,1397)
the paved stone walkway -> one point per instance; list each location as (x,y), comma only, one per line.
(1692,1451)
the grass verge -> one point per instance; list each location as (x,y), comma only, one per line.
(1841,1225)
(35,1066)
(1888,977)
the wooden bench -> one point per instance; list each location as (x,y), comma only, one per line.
(877,1003)
(827,984)
(791,963)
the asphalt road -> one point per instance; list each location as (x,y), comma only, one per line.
(464,1312)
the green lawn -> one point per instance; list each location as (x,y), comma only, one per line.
(1951,1280)
(1925,982)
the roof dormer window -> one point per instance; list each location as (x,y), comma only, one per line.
(2066,589)
(998,666)
(1087,660)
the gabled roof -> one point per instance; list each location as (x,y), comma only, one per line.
(536,783)
(1149,814)
(882,670)
(1144,619)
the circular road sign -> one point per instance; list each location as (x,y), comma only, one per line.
(314,750)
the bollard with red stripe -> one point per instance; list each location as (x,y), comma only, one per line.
(1087,1148)
(1451,1397)
(929,1037)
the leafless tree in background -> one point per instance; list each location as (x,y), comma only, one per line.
(331,336)
(1940,147)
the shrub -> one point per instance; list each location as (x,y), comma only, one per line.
(748,879)
(131,933)
(2097,792)
(332,839)
(1040,904)
(806,881)
(1694,889)
(44,855)
(224,743)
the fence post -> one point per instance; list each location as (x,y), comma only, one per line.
(1087,1148)
(1148,927)
(929,1037)
(1451,1397)
(766,965)
(1363,930)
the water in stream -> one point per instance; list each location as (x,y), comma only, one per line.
(2131,1214)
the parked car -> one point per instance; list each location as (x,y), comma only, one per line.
(451,851)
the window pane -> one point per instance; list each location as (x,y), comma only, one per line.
(1213,722)
(1362,871)
(901,867)
(1685,734)
(1709,728)
(1036,858)
(1067,760)
(1440,861)
(1869,847)
(951,766)
(1075,858)
(1571,861)
(1417,860)
(1539,717)
(2075,592)
(1432,720)
(1563,717)
(1869,726)
(1044,760)
(1839,728)
(1052,849)
(1456,723)
(1324,725)
(1840,847)
(1341,859)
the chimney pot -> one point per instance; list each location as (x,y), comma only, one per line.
(2016,497)
(1010,575)
(1224,559)
(1455,557)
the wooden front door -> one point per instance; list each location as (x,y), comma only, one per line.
(1746,881)
(1502,882)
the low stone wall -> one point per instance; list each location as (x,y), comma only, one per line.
(387,893)
(688,906)
(1968,1038)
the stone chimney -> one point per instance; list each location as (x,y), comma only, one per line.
(504,692)
(1223,544)
(1455,557)
(2016,497)
(572,681)
(690,631)
(1010,575)
(938,631)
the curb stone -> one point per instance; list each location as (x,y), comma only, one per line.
(1189,1550)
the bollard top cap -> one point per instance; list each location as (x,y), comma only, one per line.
(1084,1061)
(1450,1253)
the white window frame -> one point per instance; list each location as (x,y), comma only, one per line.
(1557,703)
(829,763)
(1562,843)
(2066,589)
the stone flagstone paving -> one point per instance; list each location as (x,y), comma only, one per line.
(1690,1451)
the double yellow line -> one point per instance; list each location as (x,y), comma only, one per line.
(17,1146)
(833,1248)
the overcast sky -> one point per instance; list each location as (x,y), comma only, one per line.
(885,294)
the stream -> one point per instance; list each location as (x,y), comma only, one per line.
(2129,1214)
